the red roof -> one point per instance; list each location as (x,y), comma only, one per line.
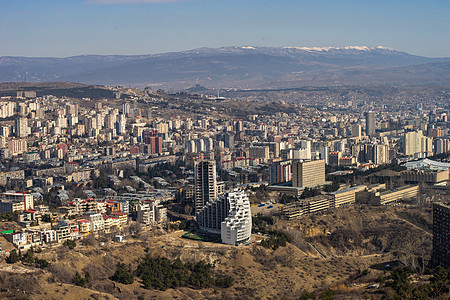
(31,211)
(83,221)
(119,214)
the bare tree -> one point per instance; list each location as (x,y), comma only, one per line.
(135,228)
(89,240)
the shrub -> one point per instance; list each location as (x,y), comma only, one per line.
(70,244)
(224,281)
(401,282)
(277,239)
(13,257)
(123,274)
(327,295)
(90,240)
(41,263)
(80,280)
(305,295)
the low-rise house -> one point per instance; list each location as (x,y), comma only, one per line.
(122,217)
(111,224)
(74,230)
(68,210)
(10,206)
(34,237)
(84,226)
(62,232)
(18,239)
(151,212)
(27,217)
(96,221)
(49,236)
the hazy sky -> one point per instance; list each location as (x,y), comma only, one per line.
(74,27)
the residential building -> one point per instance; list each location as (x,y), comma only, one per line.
(229,215)
(441,234)
(10,206)
(205,182)
(21,127)
(150,213)
(49,236)
(259,152)
(356,131)
(25,198)
(415,143)
(17,146)
(370,123)
(19,239)
(308,173)
(96,221)
(280,172)
(84,226)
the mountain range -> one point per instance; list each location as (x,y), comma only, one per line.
(236,67)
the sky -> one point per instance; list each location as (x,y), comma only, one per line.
(61,28)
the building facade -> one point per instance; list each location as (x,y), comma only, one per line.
(229,215)
(441,234)
(370,123)
(205,183)
(280,172)
(308,173)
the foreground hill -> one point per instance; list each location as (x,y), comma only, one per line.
(241,67)
(354,253)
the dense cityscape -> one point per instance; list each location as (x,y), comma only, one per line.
(82,170)
(179,149)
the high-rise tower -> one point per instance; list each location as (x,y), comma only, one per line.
(205,183)
(370,123)
(441,234)
(22,129)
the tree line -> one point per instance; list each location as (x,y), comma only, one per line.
(161,273)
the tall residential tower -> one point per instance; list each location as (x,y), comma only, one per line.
(370,123)
(205,183)
(441,234)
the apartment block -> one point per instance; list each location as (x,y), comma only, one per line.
(308,173)
(441,234)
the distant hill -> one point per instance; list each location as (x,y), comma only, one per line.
(197,89)
(60,89)
(240,67)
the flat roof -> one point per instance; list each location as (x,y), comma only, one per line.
(398,189)
(354,188)
(427,164)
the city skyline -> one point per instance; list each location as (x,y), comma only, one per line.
(127,27)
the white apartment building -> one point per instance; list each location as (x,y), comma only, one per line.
(151,212)
(26,199)
(50,236)
(228,215)
(96,221)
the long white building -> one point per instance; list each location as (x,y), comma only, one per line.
(228,215)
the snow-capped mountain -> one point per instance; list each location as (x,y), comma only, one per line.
(236,66)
